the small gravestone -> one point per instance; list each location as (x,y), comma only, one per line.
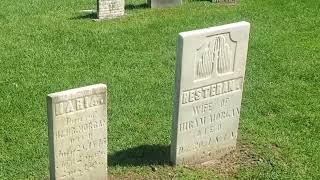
(109,9)
(209,77)
(77,133)
(163,3)
(224,1)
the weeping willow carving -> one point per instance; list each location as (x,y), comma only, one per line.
(205,64)
(215,57)
(223,55)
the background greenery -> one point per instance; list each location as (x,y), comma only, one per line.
(49,46)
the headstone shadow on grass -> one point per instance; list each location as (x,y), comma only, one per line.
(143,155)
(86,14)
(136,6)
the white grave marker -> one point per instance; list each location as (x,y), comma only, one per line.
(163,3)
(77,133)
(109,9)
(224,1)
(209,78)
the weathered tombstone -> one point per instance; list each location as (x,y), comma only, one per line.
(77,133)
(109,9)
(163,3)
(224,1)
(209,77)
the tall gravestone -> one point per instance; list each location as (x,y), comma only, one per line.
(109,9)
(163,3)
(77,133)
(209,77)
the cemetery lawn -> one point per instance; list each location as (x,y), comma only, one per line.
(49,46)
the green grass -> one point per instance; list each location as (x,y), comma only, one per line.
(48,46)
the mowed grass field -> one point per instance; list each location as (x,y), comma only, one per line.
(49,46)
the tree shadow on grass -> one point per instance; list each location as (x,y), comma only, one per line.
(141,156)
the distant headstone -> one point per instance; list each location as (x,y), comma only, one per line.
(77,133)
(209,77)
(109,9)
(163,3)
(224,1)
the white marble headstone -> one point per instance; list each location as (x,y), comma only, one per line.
(163,3)
(109,9)
(224,1)
(78,133)
(210,73)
